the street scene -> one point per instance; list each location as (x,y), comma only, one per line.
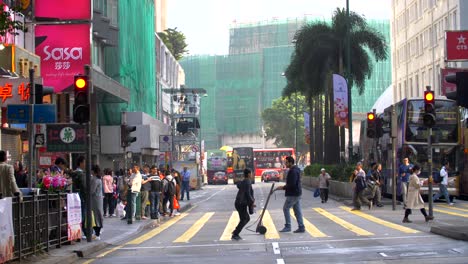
(252,131)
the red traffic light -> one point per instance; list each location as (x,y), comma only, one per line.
(370,116)
(81,82)
(429,97)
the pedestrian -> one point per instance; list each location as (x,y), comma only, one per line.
(185,183)
(155,192)
(443,191)
(177,177)
(145,188)
(96,201)
(8,186)
(79,186)
(169,187)
(134,183)
(404,172)
(376,178)
(244,200)
(359,187)
(20,176)
(293,193)
(108,186)
(414,199)
(324,182)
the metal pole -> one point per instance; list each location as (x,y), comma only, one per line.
(124,122)
(393,133)
(32,99)
(295,127)
(429,160)
(348,69)
(89,226)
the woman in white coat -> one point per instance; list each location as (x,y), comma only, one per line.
(413,198)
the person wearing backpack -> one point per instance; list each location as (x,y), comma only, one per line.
(169,187)
(443,191)
(185,184)
(155,191)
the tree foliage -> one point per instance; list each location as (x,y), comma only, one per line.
(175,42)
(280,121)
(7,25)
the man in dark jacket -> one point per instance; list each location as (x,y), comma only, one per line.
(244,199)
(293,193)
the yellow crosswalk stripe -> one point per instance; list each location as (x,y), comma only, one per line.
(271,233)
(374,219)
(231,225)
(309,227)
(158,230)
(359,231)
(194,229)
(450,213)
(453,208)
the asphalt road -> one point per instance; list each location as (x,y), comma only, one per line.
(334,234)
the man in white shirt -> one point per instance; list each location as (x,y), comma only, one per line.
(135,186)
(443,191)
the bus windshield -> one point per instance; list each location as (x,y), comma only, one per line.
(444,131)
(417,154)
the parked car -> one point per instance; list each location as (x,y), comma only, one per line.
(220,177)
(270,175)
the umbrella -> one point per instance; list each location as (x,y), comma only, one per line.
(226,148)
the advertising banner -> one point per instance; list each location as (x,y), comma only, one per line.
(456,45)
(64,51)
(307,127)
(7,237)
(74,216)
(340,98)
(63,9)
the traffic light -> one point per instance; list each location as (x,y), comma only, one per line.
(81,106)
(429,118)
(371,128)
(461,94)
(125,138)
(379,127)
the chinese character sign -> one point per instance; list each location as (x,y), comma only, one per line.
(64,50)
(456,45)
(7,238)
(340,97)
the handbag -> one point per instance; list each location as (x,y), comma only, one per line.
(176,203)
(317,192)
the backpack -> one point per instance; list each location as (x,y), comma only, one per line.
(170,187)
(436,177)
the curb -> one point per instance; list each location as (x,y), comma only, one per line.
(455,232)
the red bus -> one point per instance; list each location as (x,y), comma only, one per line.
(271,159)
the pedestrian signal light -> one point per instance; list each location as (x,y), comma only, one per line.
(429,118)
(125,135)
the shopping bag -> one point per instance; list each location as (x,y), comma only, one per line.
(317,192)
(176,203)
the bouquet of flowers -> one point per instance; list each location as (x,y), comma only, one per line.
(53,182)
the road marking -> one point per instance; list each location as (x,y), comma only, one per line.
(374,219)
(310,228)
(359,231)
(231,225)
(383,254)
(271,233)
(158,230)
(276,248)
(194,229)
(452,207)
(450,213)
(280,261)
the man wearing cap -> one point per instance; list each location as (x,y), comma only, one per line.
(324,178)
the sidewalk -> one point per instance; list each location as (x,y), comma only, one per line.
(114,232)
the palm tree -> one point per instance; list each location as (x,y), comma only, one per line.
(320,52)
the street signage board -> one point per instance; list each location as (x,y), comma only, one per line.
(18,113)
(165,143)
(66,138)
(45,113)
(456,45)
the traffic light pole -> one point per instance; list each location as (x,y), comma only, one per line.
(32,96)
(89,226)
(429,159)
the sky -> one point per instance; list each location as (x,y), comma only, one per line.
(206,23)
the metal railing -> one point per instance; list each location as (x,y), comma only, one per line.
(39,222)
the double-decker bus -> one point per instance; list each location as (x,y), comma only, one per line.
(271,159)
(242,158)
(412,142)
(216,161)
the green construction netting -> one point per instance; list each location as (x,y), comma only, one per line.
(132,63)
(245,82)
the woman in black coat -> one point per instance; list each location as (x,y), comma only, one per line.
(244,200)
